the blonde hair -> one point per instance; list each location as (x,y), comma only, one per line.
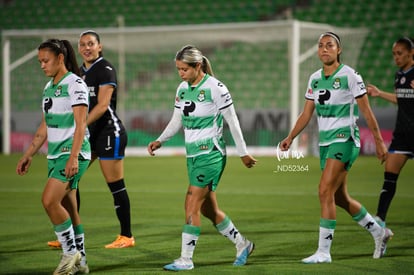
(193,56)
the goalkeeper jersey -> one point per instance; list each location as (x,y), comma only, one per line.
(335,103)
(200,114)
(58,100)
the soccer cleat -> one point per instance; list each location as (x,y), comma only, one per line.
(122,242)
(67,262)
(317,258)
(80,269)
(379,221)
(243,253)
(180,264)
(54,244)
(381,243)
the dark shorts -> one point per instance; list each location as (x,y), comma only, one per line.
(108,146)
(402,144)
(345,152)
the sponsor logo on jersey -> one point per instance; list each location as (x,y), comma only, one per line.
(109,68)
(361,85)
(203,147)
(47,104)
(227,96)
(91,91)
(81,98)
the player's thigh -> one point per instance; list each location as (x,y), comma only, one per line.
(395,162)
(112,170)
(333,176)
(54,191)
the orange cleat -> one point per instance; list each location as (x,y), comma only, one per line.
(54,244)
(122,242)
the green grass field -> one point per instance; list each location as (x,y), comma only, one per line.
(278,211)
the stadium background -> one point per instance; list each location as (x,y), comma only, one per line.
(151,79)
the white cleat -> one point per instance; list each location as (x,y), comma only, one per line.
(80,269)
(180,264)
(243,253)
(381,243)
(67,262)
(317,258)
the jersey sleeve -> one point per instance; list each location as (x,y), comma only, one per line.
(309,92)
(79,93)
(356,84)
(107,75)
(221,96)
(178,94)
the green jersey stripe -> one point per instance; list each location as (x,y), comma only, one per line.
(60,120)
(338,111)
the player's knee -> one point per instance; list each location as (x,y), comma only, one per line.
(49,204)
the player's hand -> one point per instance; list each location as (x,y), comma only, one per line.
(382,151)
(373,90)
(72,167)
(154,145)
(284,145)
(248,161)
(23,165)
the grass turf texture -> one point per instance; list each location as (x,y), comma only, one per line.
(278,211)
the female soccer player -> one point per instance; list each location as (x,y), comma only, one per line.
(337,92)
(201,103)
(402,145)
(108,136)
(63,125)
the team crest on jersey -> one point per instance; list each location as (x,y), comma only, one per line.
(402,80)
(58,91)
(337,83)
(201,96)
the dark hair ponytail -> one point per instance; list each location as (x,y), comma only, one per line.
(63,47)
(70,60)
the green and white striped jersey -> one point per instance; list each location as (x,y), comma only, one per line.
(200,114)
(335,104)
(57,109)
